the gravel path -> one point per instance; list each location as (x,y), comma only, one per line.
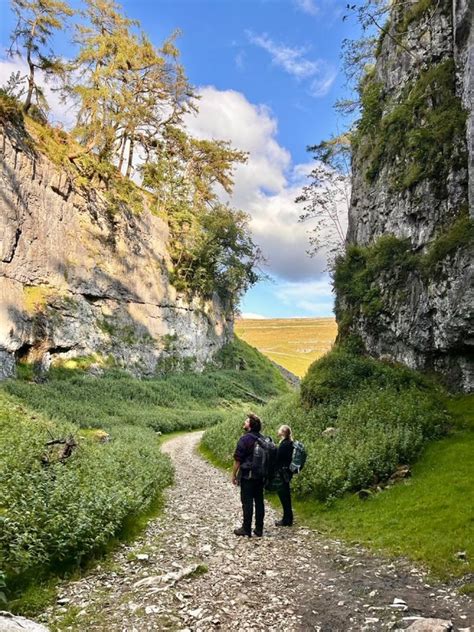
(189,572)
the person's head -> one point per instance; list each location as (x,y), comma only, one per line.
(252,423)
(284,432)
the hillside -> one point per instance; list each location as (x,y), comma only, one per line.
(294,343)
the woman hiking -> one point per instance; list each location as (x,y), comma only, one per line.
(283,460)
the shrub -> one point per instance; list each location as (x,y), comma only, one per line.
(340,375)
(11,111)
(383,415)
(62,512)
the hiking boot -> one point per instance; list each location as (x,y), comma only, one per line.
(242,531)
(258,533)
(280,523)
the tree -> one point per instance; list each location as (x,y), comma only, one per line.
(210,245)
(128,91)
(327,198)
(36,22)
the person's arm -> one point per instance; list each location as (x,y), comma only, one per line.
(235,470)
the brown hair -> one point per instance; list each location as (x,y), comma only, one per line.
(255,422)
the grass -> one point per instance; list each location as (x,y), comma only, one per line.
(428,518)
(294,343)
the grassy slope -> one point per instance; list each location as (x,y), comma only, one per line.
(122,475)
(429,518)
(292,342)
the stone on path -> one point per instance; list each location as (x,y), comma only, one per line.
(430,625)
(11,623)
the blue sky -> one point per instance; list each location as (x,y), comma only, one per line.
(268,72)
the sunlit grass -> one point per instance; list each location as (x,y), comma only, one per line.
(292,342)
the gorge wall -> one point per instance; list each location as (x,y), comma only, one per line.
(78,280)
(405,285)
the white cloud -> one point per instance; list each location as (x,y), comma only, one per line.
(267,185)
(307,6)
(295,63)
(240,60)
(313,297)
(252,316)
(292,60)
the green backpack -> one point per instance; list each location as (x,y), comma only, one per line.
(298,458)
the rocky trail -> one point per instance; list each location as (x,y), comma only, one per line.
(189,572)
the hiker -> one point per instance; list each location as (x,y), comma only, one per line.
(251,488)
(283,462)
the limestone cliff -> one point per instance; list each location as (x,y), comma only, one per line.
(405,284)
(76,279)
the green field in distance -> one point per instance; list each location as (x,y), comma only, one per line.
(292,342)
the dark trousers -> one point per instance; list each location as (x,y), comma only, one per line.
(284,494)
(251,491)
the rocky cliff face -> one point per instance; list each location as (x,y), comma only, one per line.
(412,173)
(77,280)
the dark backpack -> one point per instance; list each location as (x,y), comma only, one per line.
(298,458)
(263,459)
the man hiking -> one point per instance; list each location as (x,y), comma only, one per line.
(251,487)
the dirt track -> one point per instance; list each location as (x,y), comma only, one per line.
(189,572)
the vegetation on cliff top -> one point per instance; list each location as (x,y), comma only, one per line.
(131,99)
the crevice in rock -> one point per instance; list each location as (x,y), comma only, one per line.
(8,258)
(22,353)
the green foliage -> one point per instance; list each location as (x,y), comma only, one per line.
(427,518)
(212,251)
(413,13)
(10,110)
(458,236)
(366,276)
(339,375)
(35,24)
(60,513)
(383,415)
(420,136)
(358,275)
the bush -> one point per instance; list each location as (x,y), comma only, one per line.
(383,415)
(11,111)
(62,512)
(340,375)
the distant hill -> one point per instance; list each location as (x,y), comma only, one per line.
(294,343)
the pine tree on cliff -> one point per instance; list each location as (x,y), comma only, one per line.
(37,20)
(128,92)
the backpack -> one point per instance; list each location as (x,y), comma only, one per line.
(298,458)
(263,459)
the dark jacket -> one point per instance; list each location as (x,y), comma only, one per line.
(244,452)
(284,456)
